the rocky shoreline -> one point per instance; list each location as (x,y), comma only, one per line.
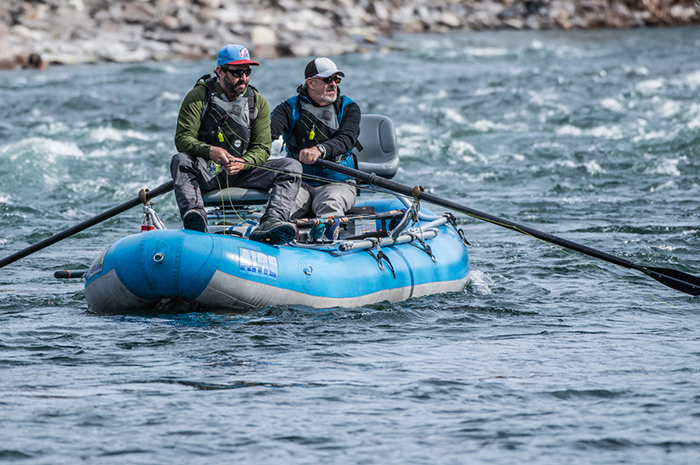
(36,32)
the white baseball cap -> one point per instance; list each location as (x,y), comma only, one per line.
(321,67)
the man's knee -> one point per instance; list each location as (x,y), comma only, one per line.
(290,165)
(178,160)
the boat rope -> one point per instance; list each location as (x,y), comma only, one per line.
(412,214)
(419,237)
(380,257)
(453,221)
(423,246)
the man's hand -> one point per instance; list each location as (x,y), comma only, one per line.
(228,163)
(310,155)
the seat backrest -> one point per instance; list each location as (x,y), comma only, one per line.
(380,152)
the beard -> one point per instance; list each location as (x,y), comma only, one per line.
(234,89)
(330,98)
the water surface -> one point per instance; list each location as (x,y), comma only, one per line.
(547,357)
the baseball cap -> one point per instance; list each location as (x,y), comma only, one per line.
(234,54)
(321,67)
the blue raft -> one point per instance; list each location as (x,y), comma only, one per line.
(391,251)
(224,272)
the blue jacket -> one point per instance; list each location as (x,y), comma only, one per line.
(304,124)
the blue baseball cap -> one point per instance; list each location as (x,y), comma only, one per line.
(234,54)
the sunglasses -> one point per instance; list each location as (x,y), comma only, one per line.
(238,72)
(328,80)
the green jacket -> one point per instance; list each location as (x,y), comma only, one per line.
(190,117)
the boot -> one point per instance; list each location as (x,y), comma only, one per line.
(273,231)
(195,220)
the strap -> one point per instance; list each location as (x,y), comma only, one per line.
(294,104)
(252,111)
(211,90)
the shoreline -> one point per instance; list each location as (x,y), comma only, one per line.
(36,33)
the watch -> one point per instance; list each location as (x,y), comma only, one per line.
(321,149)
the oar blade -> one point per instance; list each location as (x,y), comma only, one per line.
(675,279)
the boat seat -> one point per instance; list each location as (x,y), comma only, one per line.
(379,155)
(380,152)
(235,196)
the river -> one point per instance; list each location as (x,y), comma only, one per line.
(547,356)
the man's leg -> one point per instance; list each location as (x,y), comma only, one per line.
(333,200)
(283,176)
(302,205)
(190,177)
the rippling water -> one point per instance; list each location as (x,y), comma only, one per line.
(547,357)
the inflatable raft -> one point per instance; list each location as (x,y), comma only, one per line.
(223,272)
(389,249)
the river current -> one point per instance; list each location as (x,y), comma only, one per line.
(546,357)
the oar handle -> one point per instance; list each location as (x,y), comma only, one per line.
(69,274)
(162,189)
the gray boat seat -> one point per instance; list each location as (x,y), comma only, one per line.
(379,155)
(235,196)
(380,152)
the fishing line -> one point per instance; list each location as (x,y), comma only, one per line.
(230,200)
(677,280)
(317,178)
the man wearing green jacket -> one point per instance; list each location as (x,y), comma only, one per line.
(223,139)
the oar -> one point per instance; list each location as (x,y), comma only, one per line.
(144,196)
(675,279)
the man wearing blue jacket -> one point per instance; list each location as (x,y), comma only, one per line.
(316,123)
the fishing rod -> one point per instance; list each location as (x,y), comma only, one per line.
(144,196)
(344,220)
(675,279)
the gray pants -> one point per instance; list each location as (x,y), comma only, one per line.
(324,201)
(191,177)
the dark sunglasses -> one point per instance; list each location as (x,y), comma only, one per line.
(328,80)
(238,72)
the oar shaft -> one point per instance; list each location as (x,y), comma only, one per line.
(531,232)
(162,189)
(406,190)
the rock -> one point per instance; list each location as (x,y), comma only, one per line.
(450,19)
(684,13)
(24,33)
(79,31)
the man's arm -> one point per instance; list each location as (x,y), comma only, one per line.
(189,121)
(280,119)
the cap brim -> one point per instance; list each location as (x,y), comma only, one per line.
(330,73)
(243,62)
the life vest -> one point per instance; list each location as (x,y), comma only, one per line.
(227,124)
(312,125)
